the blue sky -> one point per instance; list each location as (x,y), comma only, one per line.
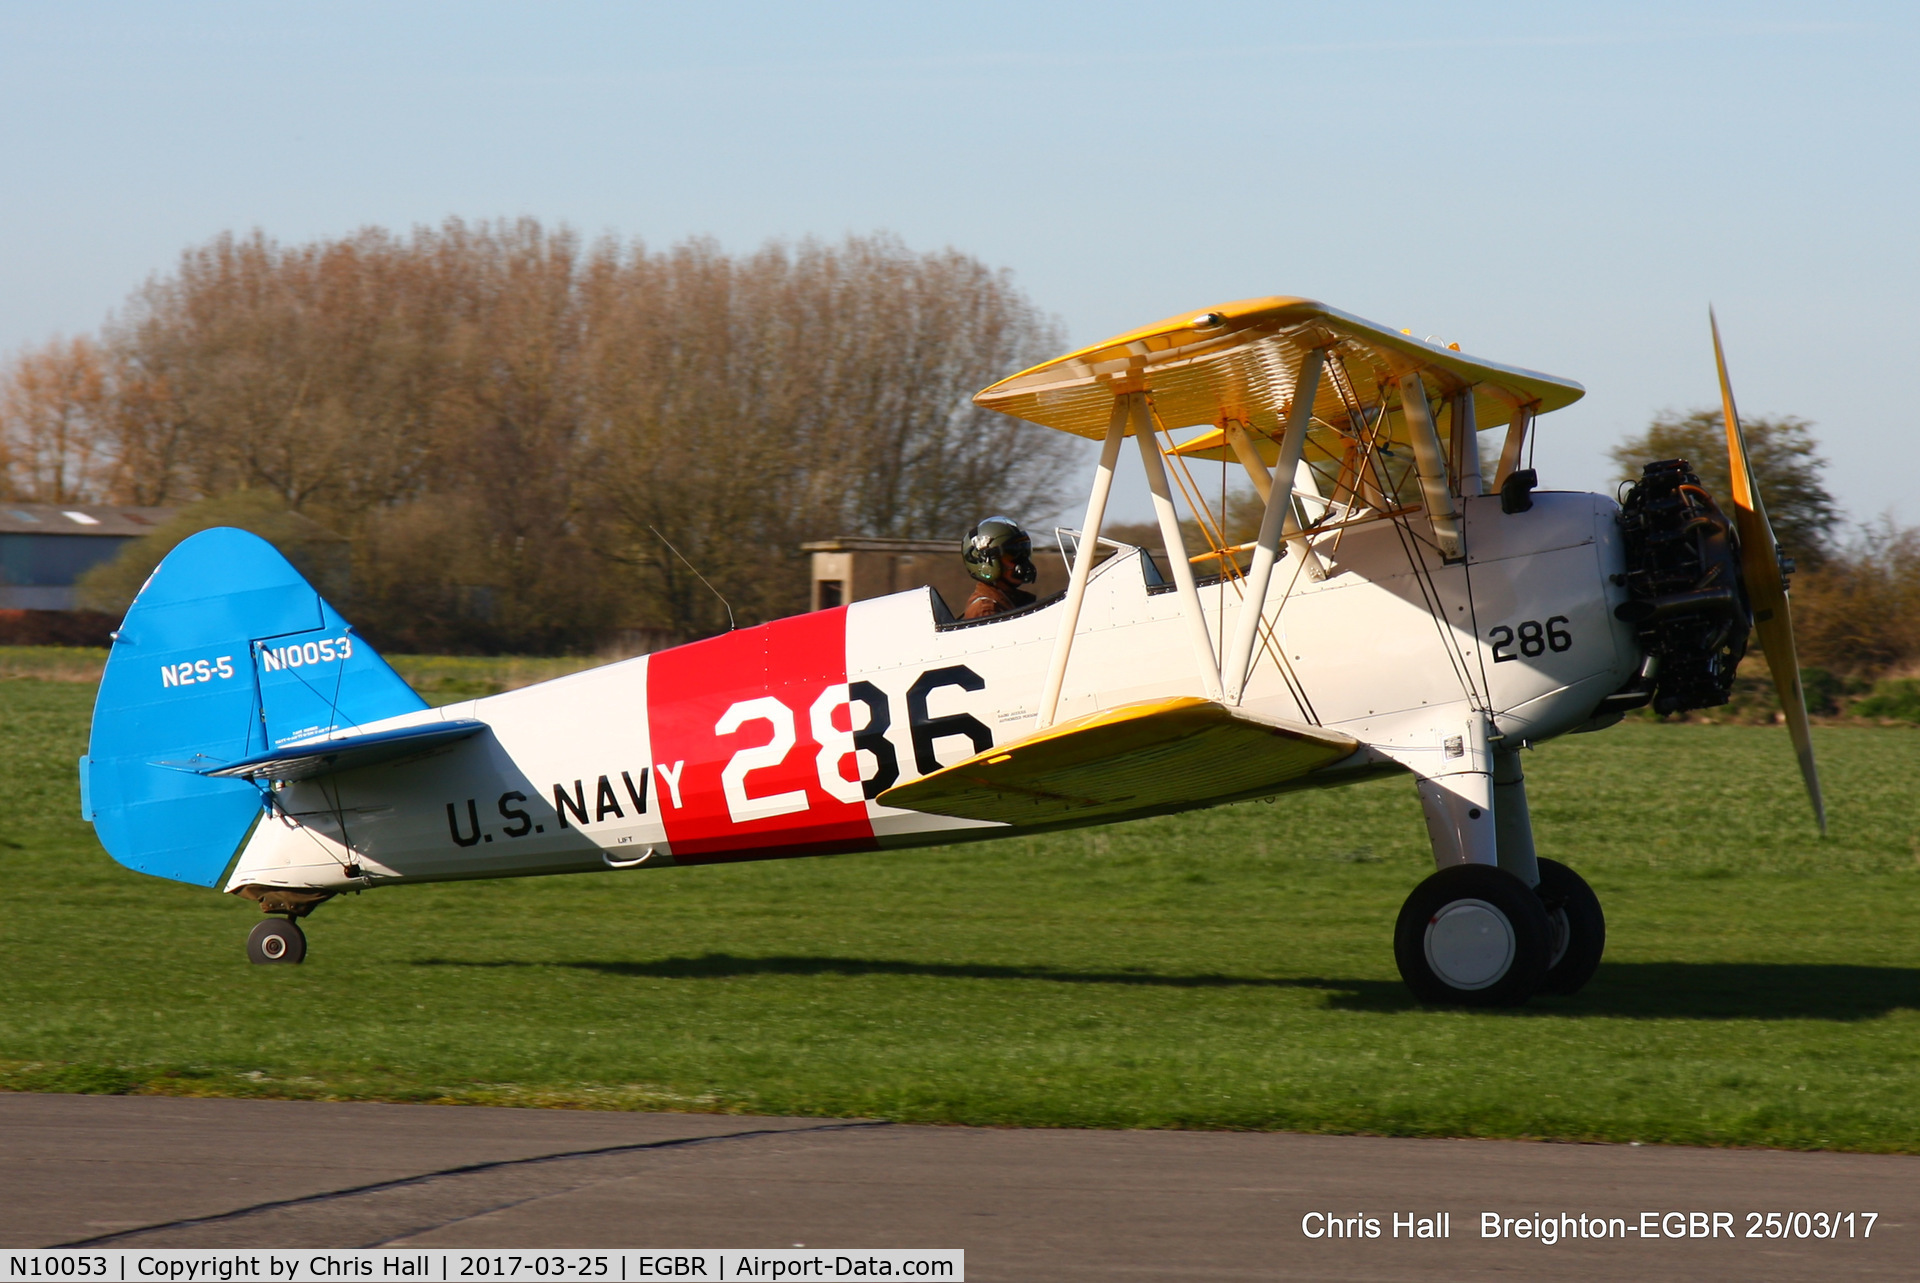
(1559,186)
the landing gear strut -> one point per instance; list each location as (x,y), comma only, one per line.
(277,940)
(1481,933)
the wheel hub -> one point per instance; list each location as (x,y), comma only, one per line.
(1470,944)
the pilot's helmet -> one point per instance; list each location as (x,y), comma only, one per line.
(992,539)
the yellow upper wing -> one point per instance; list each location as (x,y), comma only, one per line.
(1156,755)
(1237,362)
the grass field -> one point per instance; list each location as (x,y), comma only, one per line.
(1226,969)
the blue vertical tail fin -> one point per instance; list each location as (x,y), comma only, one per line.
(226,652)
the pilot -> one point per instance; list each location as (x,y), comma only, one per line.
(999,555)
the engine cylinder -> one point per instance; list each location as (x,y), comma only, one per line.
(1687,600)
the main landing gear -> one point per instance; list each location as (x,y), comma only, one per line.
(1475,935)
(1496,924)
(1579,928)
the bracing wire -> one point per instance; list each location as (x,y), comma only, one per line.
(1230,569)
(1411,542)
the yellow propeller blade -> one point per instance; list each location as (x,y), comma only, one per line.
(1766,586)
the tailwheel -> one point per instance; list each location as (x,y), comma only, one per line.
(1579,928)
(1473,935)
(277,940)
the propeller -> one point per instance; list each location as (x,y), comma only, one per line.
(1767,586)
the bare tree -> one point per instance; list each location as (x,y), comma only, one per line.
(509,423)
(53,406)
(752,404)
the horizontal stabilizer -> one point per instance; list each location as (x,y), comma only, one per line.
(342,753)
(1156,755)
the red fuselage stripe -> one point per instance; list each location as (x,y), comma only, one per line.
(737,722)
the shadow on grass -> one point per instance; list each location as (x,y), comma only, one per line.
(1655,990)
(1744,991)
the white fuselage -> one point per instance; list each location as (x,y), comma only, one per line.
(774,740)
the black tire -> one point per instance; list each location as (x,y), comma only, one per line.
(1473,936)
(277,941)
(1579,927)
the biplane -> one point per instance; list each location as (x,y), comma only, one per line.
(1412,604)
